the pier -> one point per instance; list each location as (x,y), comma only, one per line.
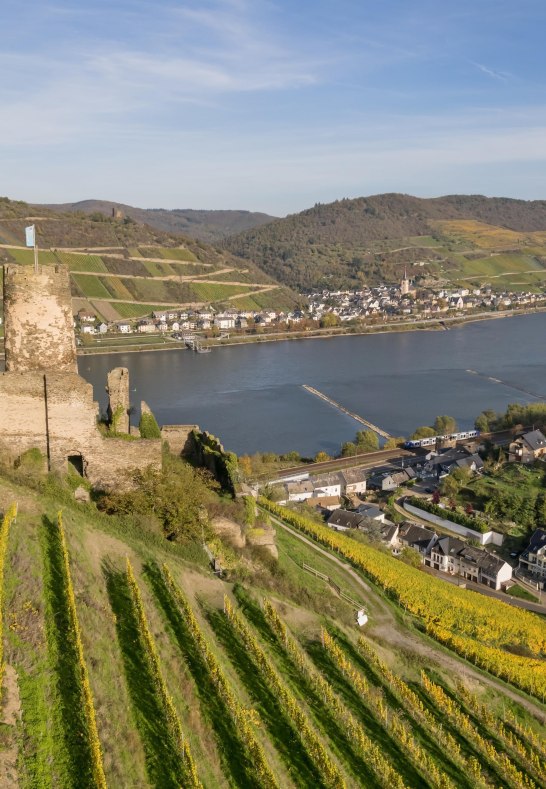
(370,425)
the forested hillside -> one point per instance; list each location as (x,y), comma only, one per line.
(208,226)
(371,239)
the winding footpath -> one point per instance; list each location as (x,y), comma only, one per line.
(389,629)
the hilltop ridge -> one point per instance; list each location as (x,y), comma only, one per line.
(204,225)
(368,239)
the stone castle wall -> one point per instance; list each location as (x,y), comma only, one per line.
(55,412)
(39,333)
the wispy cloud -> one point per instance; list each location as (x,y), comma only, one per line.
(503,76)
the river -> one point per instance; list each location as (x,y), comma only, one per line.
(251,396)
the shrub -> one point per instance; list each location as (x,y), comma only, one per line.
(148,426)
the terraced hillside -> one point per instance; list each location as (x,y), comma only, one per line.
(123,269)
(128,663)
(373,239)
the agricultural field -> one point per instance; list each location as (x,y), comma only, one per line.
(169,254)
(176,277)
(137,666)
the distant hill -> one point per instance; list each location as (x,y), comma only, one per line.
(369,239)
(210,226)
(121,268)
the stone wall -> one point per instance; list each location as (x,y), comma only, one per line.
(55,412)
(39,332)
(179,438)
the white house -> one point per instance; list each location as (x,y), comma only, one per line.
(355,480)
(125,328)
(328,485)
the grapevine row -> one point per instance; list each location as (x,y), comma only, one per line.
(8,519)
(497,728)
(527,735)
(75,633)
(414,707)
(384,771)
(242,718)
(190,776)
(398,728)
(464,725)
(458,618)
(328,770)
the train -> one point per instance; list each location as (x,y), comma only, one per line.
(431,440)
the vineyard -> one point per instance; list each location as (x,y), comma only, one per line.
(124,282)
(489,633)
(136,667)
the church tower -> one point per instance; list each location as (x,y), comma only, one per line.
(405,284)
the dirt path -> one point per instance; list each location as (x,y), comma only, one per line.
(389,629)
(11,711)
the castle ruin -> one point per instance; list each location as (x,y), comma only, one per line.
(44,402)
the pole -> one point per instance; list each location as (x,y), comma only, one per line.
(35,254)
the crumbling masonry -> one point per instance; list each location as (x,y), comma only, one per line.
(44,403)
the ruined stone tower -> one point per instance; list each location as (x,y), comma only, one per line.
(39,333)
(117,387)
(44,403)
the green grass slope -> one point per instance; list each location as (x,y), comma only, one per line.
(256,709)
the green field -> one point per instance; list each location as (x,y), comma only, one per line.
(205,291)
(91,287)
(75,262)
(135,310)
(167,253)
(499,264)
(26,256)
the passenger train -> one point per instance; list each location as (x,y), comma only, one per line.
(431,440)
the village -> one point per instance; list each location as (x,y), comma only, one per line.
(402,506)
(321,309)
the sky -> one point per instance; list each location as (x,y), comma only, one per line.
(270,105)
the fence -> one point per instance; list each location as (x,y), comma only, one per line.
(358,606)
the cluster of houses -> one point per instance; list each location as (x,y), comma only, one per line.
(387,301)
(324,491)
(175,320)
(444,554)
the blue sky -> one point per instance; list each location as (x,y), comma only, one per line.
(270,106)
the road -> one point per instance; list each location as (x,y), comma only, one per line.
(385,625)
(367,460)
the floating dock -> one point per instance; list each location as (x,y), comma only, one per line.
(370,425)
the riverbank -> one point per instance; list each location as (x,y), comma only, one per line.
(431,324)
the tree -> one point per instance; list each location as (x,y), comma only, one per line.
(450,486)
(410,556)
(486,421)
(321,457)
(367,441)
(172,498)
(423,432)
(394,443)
(329,320)
(245,465)
(462,476)
(444,425)
(348,449)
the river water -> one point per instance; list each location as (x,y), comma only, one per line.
(251,396)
